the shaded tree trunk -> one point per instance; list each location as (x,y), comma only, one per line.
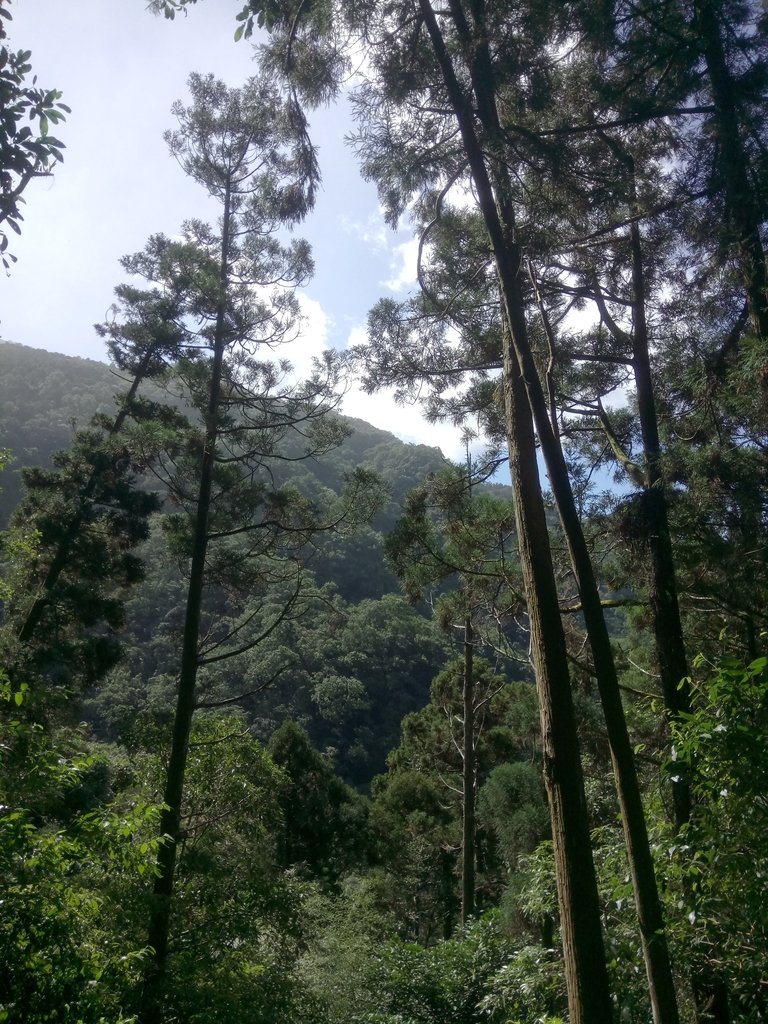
(469,772)
(662,595)
(662,591)
(493,196)
(583,951)
(741,203)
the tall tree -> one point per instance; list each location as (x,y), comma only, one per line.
(596,251)
(495,198)
(575,872)
(247,150)
(444,534)
(490,174)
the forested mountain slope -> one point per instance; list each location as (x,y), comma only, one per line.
(348,669)
(45,396)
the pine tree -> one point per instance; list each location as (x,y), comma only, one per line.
(83,519)
(448,534)
(236,528)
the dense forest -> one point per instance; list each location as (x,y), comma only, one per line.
(301,723)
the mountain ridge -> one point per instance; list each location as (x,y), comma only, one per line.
(46,396)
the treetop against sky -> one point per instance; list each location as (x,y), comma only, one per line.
(120,70)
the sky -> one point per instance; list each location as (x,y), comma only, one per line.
(120,69)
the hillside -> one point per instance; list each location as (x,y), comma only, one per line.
(350,669)
(44,396)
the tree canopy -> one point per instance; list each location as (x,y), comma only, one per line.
(528,787)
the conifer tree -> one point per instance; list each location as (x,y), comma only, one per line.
(83,518)
(447,533)
(235,527)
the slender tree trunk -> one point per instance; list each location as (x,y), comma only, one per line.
(589,998)
(662,591)
(498,214)
(710,992)
(648,905)
(583,951)
(151,1010)
(740,194)
(662,595)
(469,769)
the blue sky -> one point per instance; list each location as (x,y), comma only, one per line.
(120,69)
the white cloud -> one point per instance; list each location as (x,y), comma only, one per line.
(313,336)
(373,232)
(310,341)
(405,421)
(379,238)
(404,263)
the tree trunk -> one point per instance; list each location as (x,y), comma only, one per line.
(741,205)
(151,1011)
(662,594)
(469,769)
(498,214)
(710,992)
(583,951)
(662,590)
